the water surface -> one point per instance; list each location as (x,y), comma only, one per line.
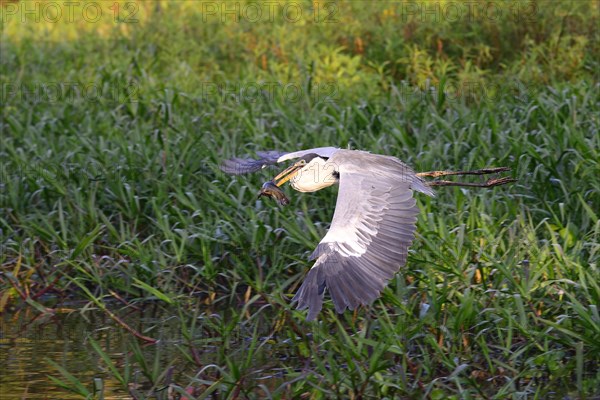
(29,339)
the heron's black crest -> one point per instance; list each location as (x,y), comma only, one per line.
(308,158)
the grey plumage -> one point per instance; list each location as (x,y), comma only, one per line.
(238,166)
(372,228)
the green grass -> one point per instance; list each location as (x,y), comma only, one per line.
(118,194)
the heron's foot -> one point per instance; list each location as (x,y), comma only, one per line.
(484,171)
(488,183)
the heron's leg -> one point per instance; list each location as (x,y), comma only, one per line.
(484,171)
(488,183)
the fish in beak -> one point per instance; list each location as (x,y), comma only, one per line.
(270,189)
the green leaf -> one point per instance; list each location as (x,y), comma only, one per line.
(153,291)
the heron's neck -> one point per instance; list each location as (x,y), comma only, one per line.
(316,175)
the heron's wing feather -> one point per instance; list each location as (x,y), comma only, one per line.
(237,166)
(372,228)
(325,152)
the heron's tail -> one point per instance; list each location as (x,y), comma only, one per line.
(420,185)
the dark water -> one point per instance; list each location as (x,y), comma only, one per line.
(28,339)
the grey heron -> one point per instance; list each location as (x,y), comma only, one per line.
(373,224)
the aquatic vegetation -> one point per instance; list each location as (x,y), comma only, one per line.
(112,200)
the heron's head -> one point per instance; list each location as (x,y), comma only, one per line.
(304,163)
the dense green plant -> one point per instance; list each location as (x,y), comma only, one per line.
(111,190)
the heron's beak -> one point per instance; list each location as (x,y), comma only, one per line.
(289,173)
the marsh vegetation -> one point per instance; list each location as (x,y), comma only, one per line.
(112,203)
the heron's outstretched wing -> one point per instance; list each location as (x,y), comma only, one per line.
(325,152)
(372,228)
(237,166)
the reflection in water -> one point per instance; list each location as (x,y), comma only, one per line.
(28,340)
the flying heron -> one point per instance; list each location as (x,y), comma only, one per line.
(373,224)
